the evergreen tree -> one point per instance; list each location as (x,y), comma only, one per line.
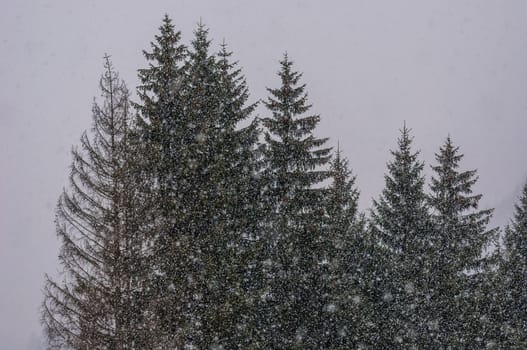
(294,158)
(197,210)
(400,224)
(514,272)
(201,166)
(344,250)
(219,196)
(98,304)
(238,246)
(159,124)
(457,268)
(204,182)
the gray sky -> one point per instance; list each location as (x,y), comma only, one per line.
(457,67)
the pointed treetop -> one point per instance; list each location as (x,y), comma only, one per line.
(404,151)
(339,166)
(286,73)
(201,43)
(166,26)
(448,157)
(337,162)
(343,194)
(108,64)
(166,48)
(405,132)
(201,29)
(224,53)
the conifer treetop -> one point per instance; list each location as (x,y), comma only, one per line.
(400,215)
(344,194)
(451,188)
(289,133)
(161,78)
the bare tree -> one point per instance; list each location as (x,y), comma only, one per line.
(99,301)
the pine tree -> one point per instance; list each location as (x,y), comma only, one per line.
(514,272)
(294,160)
(400,224)
(457,262)
(218,200)
(98,304)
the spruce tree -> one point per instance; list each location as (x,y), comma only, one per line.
(344,250)
(219,197)
(400,224)
(294,164)
(202,169)
(514,273)
(238,245)
(457,268)
(158,124)
(98,302)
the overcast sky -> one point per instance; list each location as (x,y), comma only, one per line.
(445,67)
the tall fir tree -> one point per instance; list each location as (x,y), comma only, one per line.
(197,206)
(295,161)
(203,167)
(239,247)
(457,267)
(400,224)
(98,303)
(158,124)
(514,276)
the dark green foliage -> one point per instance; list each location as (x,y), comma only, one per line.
(238,271)
(293,160)
(461,226)
(219,200)
(159,123)
(343,269)
(401,226)
(457,266)
(343,196)
(205,187)
(158,118)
